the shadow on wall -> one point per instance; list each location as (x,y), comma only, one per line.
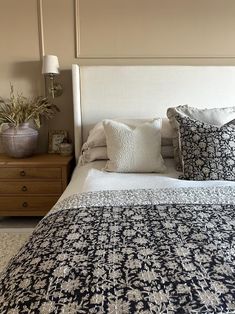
(29,75)
(64,119)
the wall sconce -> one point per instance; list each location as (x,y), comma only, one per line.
(50,68)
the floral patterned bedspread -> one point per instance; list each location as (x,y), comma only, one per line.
(136,251)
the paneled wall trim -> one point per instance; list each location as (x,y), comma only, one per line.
(154,29)
(77,27)
(41,29)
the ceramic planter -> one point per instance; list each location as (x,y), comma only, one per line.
(19,142)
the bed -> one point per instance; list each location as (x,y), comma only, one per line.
(132,242)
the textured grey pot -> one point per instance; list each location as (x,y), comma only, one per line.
(19,142)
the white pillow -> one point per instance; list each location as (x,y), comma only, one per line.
(167,151)
(91,154)
(100,153)
(134,149)
(97,137)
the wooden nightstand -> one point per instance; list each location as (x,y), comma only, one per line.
(31,186)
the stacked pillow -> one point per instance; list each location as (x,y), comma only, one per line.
(95,148)
(216,116)
(204,142)
(208,151)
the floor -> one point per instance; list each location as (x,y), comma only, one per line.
(18,222)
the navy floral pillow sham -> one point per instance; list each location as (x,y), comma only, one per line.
(208,151)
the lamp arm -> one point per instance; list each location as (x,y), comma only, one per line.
(52,88)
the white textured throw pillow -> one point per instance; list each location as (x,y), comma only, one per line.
(135,149)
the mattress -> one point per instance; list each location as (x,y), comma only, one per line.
(91,177)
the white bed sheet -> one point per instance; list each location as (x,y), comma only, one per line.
(90,177)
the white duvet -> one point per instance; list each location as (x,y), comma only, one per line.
(90,177)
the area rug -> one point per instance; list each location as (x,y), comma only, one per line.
(10,243)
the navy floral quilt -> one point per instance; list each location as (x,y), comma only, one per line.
(136,251)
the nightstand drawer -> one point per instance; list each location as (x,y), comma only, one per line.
(30,173)
(30,187)
(32,206)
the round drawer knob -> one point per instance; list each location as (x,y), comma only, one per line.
(24,188)
(25,204)
(22,173)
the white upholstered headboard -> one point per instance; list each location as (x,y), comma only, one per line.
(145,91)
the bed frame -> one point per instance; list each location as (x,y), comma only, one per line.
(101,92)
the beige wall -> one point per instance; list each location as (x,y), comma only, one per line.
(19,50)
(159,28)
(20,53)
(156,28)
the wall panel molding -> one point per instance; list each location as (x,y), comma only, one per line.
(80,45)
(77,27)
(41,29)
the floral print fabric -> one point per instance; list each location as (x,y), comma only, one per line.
(152,258)
(208,151)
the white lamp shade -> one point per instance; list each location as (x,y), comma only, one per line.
(50,65)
